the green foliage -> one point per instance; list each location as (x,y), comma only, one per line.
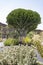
(30,34)
(12,32)
(39,47)
(27,40)
(23,20)
(16,42)
(10,42)
(18,55)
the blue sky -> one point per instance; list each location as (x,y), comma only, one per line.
(7,6)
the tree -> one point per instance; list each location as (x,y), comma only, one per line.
(23,20)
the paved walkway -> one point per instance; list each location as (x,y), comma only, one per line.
(1,44)
(40,59)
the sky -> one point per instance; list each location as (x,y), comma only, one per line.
(6,6)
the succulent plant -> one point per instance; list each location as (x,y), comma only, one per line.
(18,55)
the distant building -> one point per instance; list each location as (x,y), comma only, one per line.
(38,31)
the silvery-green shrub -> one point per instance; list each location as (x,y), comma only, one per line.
(18,55)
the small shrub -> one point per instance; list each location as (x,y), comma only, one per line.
(16,42)
(27,40)
(31,34)
(18,55)
(39,47)
(9,42)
